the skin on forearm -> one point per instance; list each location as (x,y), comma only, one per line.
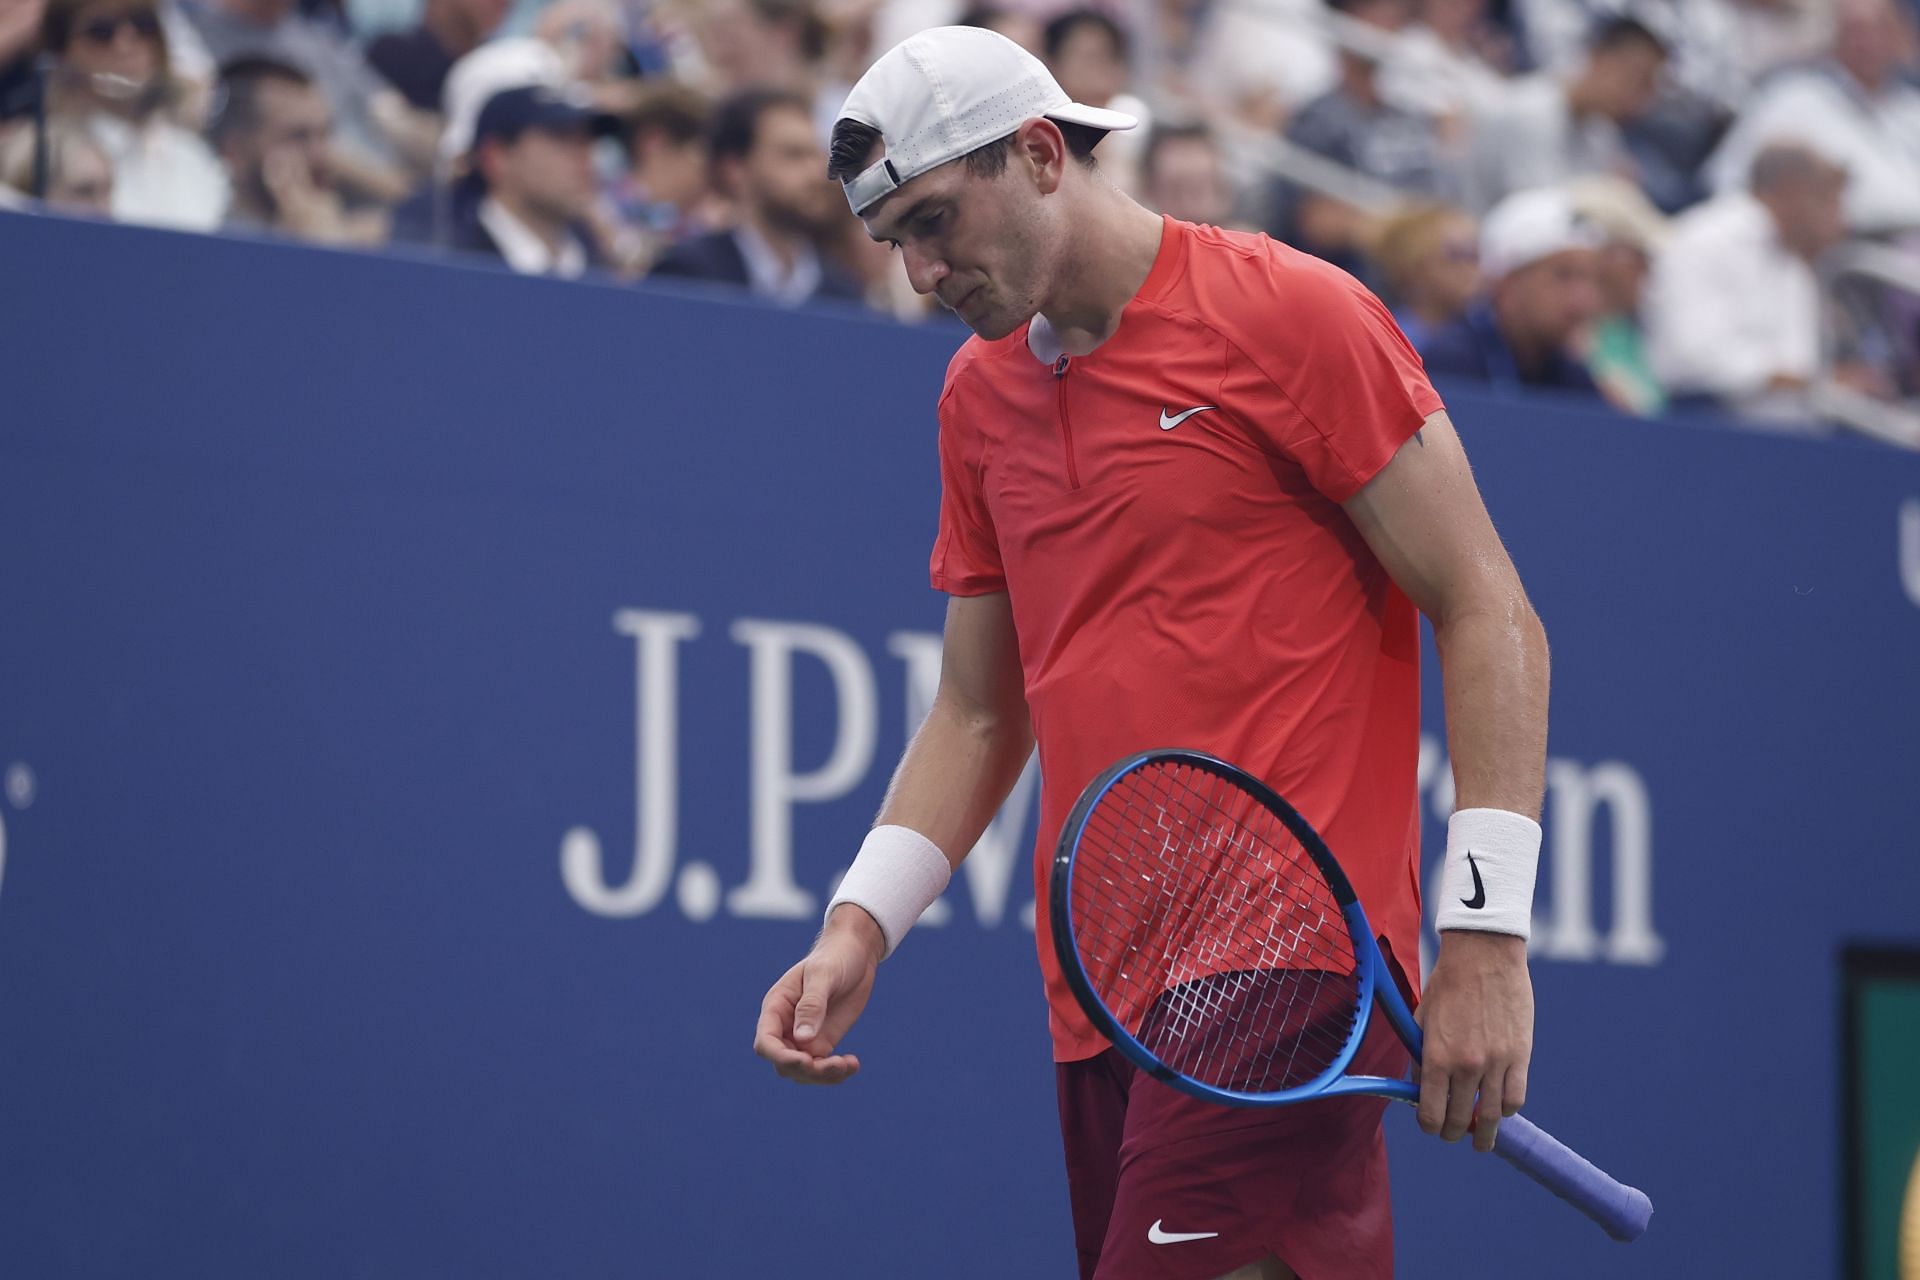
(1494,673)
(973,744)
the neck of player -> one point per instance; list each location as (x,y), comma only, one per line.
(1115,244)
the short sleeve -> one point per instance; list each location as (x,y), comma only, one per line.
(966,553)
(1339,388)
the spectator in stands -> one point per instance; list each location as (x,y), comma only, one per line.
(769,162)
(416,62)
(1427,258)
(1183,176)
(1855,106)
(665,191)
(1550,127)
(274,131)
(79,174)
(1454,62)
(1090,55)
(1734,306)
(1262,62)
(1541,262)
(533,170)
(1354,126)
(384,145)
(768,44)
(112,73)
(1016,25)
(1632,232)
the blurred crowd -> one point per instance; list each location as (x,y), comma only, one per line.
(1641,200)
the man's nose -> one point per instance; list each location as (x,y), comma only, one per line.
(924,270)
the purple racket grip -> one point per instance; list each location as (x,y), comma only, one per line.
(1621,1211)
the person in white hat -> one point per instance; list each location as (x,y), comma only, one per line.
(1541,261)
(1195,490)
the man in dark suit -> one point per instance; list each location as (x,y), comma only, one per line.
(767,160)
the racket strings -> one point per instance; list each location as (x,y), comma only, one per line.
(1210,934)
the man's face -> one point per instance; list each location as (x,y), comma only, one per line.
(675,171)
(482,17)
(295,121)
(551,171)
(1089,66)
(1809,213)
(1866,40)
(782,177)
(1186,182)
(1546,303)
(1629,79)
(979,244)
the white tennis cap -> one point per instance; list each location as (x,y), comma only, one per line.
(1530,225)
(938,95)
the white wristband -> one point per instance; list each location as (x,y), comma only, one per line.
(1487,884)
(895,878)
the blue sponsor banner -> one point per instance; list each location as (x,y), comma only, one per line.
(434,706)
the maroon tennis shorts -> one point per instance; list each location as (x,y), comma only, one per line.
(1167,1187)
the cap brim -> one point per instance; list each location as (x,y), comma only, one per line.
(1093,117)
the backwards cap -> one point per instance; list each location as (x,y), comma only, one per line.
(940,94)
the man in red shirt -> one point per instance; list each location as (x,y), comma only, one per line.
(1195,491)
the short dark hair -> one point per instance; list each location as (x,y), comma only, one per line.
(1061,29)
(236,105)
(736,121)
(853,142)
(1609,35)
(1171,132)
(673,109)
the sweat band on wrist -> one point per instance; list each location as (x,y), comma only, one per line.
(896,876)
(1487,884)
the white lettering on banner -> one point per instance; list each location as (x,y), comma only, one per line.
(1580,800)
(656,775)
(1910,548)
(989,867)
(775,788)
(1564,928)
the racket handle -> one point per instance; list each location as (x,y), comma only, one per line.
(1621,1211)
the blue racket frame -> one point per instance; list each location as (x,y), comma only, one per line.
(1622,1211)
(1370,965)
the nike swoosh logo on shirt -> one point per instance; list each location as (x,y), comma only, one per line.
(1157,1236)
(1169,422)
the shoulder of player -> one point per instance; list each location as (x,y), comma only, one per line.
(977,356)
(1260,295)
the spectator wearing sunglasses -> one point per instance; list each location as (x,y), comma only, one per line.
(113,75)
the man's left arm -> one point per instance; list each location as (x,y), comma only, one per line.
(1423,518)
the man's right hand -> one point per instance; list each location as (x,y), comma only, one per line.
(817,1001)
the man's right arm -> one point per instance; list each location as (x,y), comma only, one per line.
(954,775)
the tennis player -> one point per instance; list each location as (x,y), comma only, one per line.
(1195,491)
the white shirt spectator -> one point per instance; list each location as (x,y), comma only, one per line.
(163,176)
(1426,76)
(1720,47)
(1876,139)
(1729,308)
(1277,50)
(1531,138)
(524,251)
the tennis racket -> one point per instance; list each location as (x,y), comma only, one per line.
(1208,933)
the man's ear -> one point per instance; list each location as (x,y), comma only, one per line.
(1041,146)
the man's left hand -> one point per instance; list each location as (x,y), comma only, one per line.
(1477,1016)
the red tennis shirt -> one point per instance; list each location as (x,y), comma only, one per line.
(1164,514)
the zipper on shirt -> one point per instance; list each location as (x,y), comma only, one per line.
(1066,423)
